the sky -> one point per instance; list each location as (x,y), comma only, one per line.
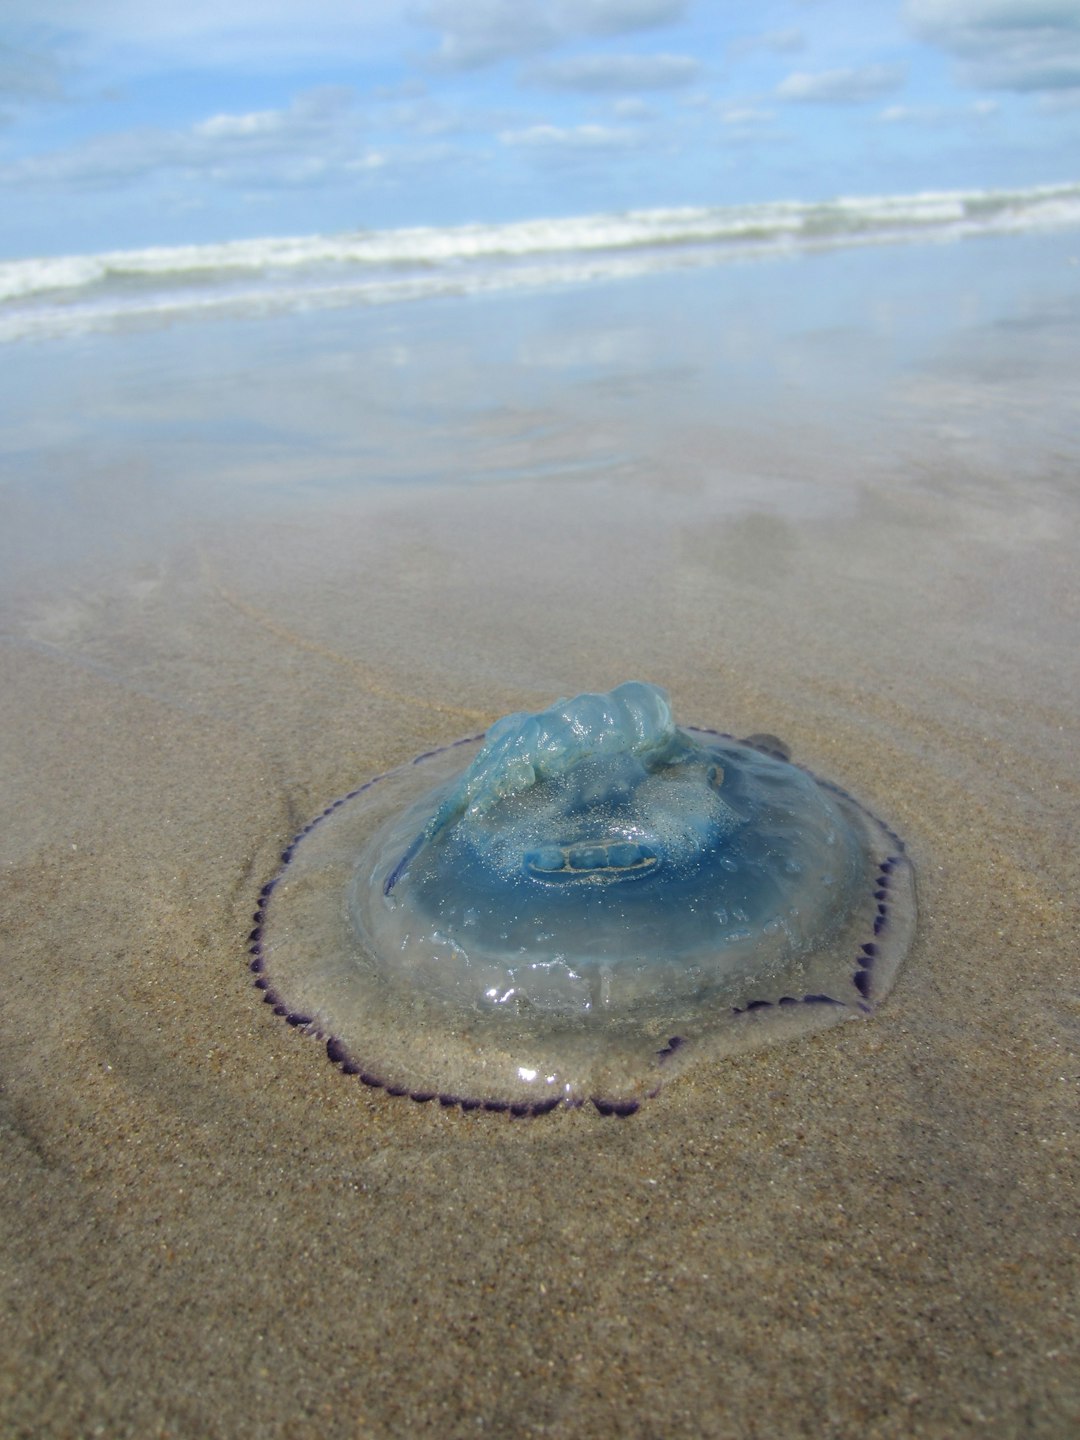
(128,123)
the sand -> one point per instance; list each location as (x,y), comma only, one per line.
(249,565)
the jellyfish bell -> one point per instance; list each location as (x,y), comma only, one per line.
(596,859)
(575,905)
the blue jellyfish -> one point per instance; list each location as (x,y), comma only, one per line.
(576,906)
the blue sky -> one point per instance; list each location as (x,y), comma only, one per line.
(126,123)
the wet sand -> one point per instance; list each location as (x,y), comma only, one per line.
(249,566)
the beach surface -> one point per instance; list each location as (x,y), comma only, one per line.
(249,563)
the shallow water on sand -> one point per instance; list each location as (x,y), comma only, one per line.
(246,565)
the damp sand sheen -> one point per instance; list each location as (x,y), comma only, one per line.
(577,905)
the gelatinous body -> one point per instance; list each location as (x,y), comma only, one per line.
(574,906)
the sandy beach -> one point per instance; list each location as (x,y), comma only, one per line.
(249,563)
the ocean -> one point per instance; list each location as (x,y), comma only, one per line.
(78,293)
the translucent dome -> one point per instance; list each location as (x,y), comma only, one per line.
(574,906)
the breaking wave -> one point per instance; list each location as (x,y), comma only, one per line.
(69,294)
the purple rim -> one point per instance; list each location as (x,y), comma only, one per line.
(338,1054)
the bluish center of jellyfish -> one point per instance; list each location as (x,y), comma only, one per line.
(594,859)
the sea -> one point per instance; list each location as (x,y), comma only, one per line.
(73,294)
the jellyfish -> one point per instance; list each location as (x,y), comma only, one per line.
(577,906)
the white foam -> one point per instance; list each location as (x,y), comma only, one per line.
(65,294)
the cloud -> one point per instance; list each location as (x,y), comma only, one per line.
(28,75)
(912,115)
(246,35)
(1059,102)
(744,115)
(313,116)
(312,140)
(261,122)
(617,72)
(428,118)
(780,42)
(937,115)
(632,107)
(842,87)
(1023,45)
(745,124)
(475,33)
(617,17)
(481,32)
(573,137)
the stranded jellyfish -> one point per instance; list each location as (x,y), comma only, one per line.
(574,906)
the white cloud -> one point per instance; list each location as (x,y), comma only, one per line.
(911,115)
(475,33)
(937,114)
(139,21)
(122,38)
(617,72)
(370,160)
(27,74)
(843,87)
(313,114)
(1059,102)
(261,122)
(425,117)
(1004,44)
(780,42)
(744,115)
(312,139)
(745,124)
(573,137)
(1018,14)
(632,107)
(481,32)
(616,17)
